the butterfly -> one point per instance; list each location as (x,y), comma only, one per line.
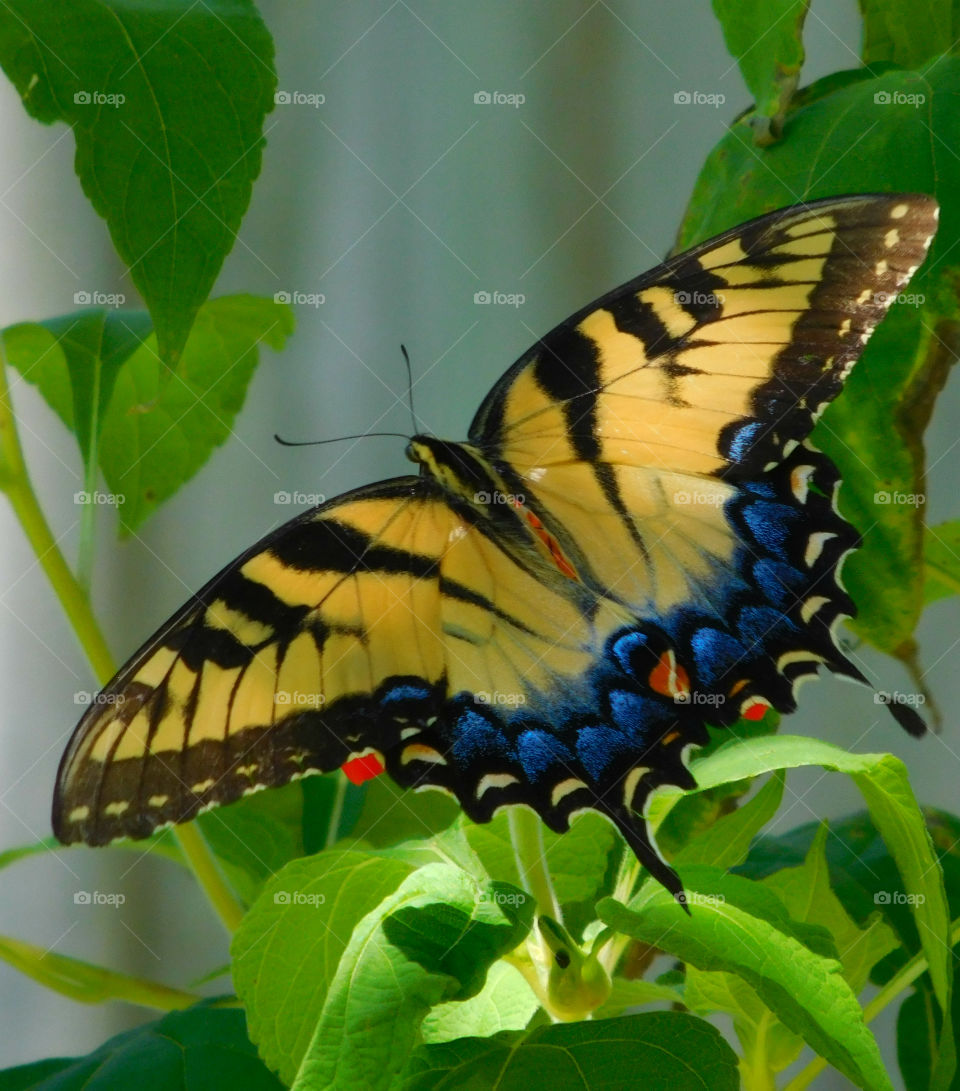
(636,540)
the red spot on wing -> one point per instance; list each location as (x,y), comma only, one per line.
(553,546)
(756,711)
(358,770)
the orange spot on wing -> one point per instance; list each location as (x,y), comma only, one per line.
(358,770)
(553,546)
(668,677)
(671,737)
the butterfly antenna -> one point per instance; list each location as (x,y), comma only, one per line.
(413,413)
(334,439)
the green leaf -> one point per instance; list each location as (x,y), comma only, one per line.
(906,34)
(159,429)
(806,893)
(658,1051)
(202,1049)
(885,785)
(288,946)
(254,837)
(432,940)
(766,38)
(390,814)
(806,991)
(166,102)
(942,561)
(577,859)
(506,1002)
(873,431)
(633,993)
(727,842)
(150,431)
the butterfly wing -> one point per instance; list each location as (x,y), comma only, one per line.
(660,434)
(373,625)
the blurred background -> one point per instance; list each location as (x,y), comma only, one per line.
(397,200)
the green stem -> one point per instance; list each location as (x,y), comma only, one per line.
(15,482)
(88,983)
(204,866)
(85,544)
(526,834)
(336,810)
(896,985)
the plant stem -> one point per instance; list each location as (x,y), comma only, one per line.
(204,866)
(526,834)
(896,985)
(336,810)
(15,482)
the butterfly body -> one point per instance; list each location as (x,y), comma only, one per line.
(636,540)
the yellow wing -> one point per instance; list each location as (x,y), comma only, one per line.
(343,634)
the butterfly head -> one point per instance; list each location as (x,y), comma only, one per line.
(459,467)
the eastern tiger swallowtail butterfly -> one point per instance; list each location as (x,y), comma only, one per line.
(636,539)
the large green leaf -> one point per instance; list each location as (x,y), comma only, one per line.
(885,785)
(851,133)
(166,101)
(660,1051)
(202,1049)
(431,941)
(767,40)
(805,990)
(288,946)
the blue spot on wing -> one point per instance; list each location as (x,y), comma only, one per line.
(778,581)
(739,446)
(477,739)
(771,524)
(715,653)
(758,624)
(539,752)
(599,748)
